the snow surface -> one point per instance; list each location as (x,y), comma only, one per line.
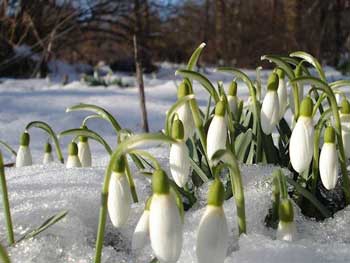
(38,192)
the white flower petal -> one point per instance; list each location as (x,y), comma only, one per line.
(185,115)
(84,154)
(282,97)
(217,135)
(286,231)
(24,156)
(165,228)
(329,165)
(233,103)
(346,137)
(301,144)
(48,158)
(179,163)
(119,199)
(141,233)
(212,236)
(270,112)
(73,161)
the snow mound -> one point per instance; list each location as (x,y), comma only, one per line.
(38,192)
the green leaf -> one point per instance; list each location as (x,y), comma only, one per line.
(44,126)
(87,133)
(324,211)
(281,64)
(312,60)
(99,111)
(8,147)
(199,171)
(339,84)
(242,144)
(201,79)
(312,81)
(93,116)
(3,255)
(49,222)
(195,55)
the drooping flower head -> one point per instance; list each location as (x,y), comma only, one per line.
(212,234)
(232,97)
(141,233)
(73,159)
(119,195)
(24,156)
(48,158)
(282,92)
(180,165)
(84,152)
(329,160)
(217,132)
(286,227)
(184,111)
(301,140)
(270,111)
(164,220)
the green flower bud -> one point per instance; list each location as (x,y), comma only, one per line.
(178,131)
(183,90)
(329,135)
(345,107)
(286,213)
(232,90)
(48,148)
(119,165)
(72,148)
(280,73)
(306,107)
(220,109)
(272,83)
(160,182)
(298,71)
(216,194)
(25,139)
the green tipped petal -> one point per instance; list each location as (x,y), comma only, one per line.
(148,203)
(25,139)
(286,213)
(306,107)
(119,166)
(48,148)
(345,107)
(178,131)
(183,90)
(280,73)
(232,90)
(216,194)
(272,83)
(220,109)
(329,135)
(160,182)
(73,148)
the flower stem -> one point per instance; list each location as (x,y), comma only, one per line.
(3,255)
(6,204)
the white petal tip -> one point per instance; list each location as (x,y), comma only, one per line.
(202,45)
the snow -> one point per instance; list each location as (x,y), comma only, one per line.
(39,191)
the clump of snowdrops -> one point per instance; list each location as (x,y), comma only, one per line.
(207,146)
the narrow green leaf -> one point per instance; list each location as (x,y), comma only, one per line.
(44,126)
(199,171)
(194,58)
(8,147)
(312,60)
(201,79)
(339,84)
(93,116)
(87,133)
(281,64)
(98,110)
(242,144)
(3,255)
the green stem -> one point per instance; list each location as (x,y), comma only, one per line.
(315,167)
(6,204)
(3,255)
(131,181)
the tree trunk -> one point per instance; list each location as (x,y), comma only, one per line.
(338,34)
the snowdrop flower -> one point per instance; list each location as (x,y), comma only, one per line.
(282,93)
(345,122)
(270,110)
(329,160)
(217,132)
(48,158)
(141,233)
(184,111)
(165,224)
(180,165)
(302,138)
(84,152)
(232,97)
(24,156)
(119,195)
(212,235)
(286,230)
(73,159)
